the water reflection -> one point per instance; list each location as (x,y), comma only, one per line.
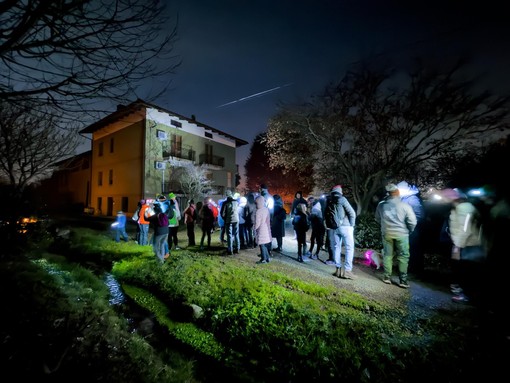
(117,297)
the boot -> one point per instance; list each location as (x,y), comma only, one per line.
(338,272)
(300,258)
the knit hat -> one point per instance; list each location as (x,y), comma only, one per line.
(236,196)
(337,189)
(171,196)
(161,197)
(228,193)
(142,202)
(391,188)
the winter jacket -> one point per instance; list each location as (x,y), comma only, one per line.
(262,225)
(249,210)
(229,211)
(279,216)
(464,225)
(397,218)
(207,216)
(189,214)
(349,215)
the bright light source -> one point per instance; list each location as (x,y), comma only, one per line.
(475,192)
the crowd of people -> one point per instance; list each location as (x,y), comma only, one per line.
(259,220)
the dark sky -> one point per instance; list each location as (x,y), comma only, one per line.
(231,50)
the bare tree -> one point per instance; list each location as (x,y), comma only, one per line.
(75,54)
(31,142)
(259,171)
(380,125)
(193,179)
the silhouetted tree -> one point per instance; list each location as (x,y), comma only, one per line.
(259,171)
(380,124)
(31,143)
(72,54)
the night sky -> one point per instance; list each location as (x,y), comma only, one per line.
(232,50)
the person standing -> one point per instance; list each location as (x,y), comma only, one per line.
(298,199)
(120,227)
(243,233)
(159,221)
(207,222)
(230,215)
(189,220)
(301,224)
(173,222)
(278,225)
(219,219)
(397,221)
(262,229)
(340,219)
(318,228)
(465,232)
(249,220)
(268,200)
(143,224)
(411,195)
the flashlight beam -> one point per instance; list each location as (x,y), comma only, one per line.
(254,95)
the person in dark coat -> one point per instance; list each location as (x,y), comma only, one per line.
(298,199)
(249,220)
(278,224)
(207,222)
(301,225)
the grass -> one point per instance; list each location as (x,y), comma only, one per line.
(268,323)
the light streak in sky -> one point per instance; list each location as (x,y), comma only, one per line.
(254,95)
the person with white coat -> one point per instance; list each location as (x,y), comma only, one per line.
(262,229)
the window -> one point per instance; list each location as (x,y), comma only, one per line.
(110,177)
(208,135)
(99,204)
(208,153)
(177,124)
(229,180)
(100,149)
(161,135)
(111,145)
(176,146)
(100,179)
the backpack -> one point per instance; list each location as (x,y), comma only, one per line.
(162,220)
(332,216)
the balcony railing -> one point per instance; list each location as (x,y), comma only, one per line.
(211,160)
(184,153)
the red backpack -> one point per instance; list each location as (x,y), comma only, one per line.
(214,210)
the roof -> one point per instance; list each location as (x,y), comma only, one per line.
(125,110)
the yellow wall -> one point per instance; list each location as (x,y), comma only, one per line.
(125,161)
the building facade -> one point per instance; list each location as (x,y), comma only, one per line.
(136,150)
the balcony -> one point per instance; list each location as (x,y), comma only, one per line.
(182,153)
(215,161)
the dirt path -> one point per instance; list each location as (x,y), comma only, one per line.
(423,298)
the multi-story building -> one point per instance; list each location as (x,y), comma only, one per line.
(136,149)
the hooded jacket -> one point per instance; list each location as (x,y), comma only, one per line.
(262,225)
(397,218)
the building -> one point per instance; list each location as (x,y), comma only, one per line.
(135,152)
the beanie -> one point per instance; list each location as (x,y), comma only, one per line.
(228,193)
(337,189)
(391,188)
(171,196)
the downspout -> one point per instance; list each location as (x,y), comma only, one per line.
(89,186)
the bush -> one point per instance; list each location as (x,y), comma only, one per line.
(367,233)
